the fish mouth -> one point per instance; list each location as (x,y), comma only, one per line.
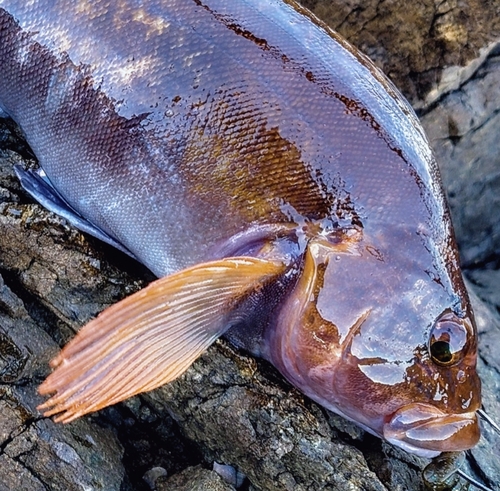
(427,431)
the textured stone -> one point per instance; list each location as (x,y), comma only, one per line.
(463,131)
(418,44)
(195,479)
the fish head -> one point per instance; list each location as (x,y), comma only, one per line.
(386,339)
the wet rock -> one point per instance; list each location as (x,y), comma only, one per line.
(79,458)
(35,453)
(464,130)
(230,474)
(152,476)
(483,460)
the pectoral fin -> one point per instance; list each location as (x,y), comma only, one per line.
(151,337)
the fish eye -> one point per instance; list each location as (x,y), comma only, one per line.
(448,340)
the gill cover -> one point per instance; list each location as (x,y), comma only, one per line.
(367,335)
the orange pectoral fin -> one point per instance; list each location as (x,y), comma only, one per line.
(151,337)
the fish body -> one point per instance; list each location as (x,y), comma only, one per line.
(274,179)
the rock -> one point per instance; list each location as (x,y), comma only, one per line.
(230,474)
(483,459)
(229,407)
(195,479)
(153,475)
(463,130)
(265,428)
(35,453)
(422,46)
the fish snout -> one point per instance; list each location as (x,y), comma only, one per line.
(427,431)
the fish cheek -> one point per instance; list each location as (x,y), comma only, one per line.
(370,391)
(310,346)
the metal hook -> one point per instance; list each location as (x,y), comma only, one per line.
(472,481)
(482,414)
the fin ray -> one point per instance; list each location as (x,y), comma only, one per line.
(151,337)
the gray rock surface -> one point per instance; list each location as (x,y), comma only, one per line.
(463,129)
(194,479)
(229,407)
(35,453)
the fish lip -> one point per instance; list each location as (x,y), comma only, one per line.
(427,431)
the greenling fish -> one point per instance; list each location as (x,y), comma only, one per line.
(278,185)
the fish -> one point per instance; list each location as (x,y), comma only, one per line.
(278,185)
